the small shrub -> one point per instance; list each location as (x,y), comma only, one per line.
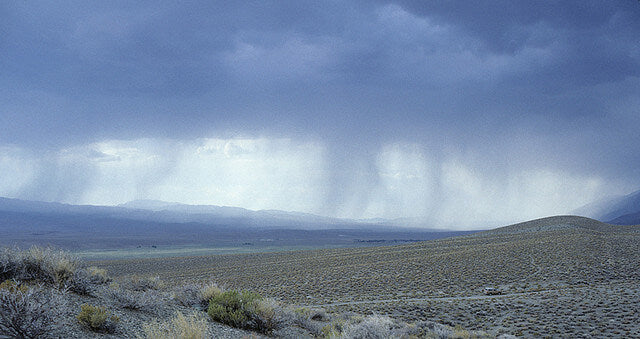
(209,291)
(265,315)
(79,283)
(319,315)
(98,275)
(196,295)
(432,329)
(63,270)
(312,327)
(26,312)
(138,301)
(372,327)
(333,329)
(193,326)
(238,309)
(142,283)
(188,295)
(97,319)
(298,317)
(229,316)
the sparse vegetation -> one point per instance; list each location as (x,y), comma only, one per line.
(423,290)
(193,326)
(551,264)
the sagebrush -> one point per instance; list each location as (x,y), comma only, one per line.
(27,312)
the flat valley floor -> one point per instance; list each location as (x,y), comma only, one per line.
(558,277)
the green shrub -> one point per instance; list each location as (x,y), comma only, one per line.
(242,310)
(97,318)
(229,316)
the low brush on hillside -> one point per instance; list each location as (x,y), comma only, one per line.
(46,293)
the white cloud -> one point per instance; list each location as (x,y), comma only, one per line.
(473,197)
(18,170)
(264,173)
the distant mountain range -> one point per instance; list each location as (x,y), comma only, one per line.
(150,223)
(154,211)
(618,210)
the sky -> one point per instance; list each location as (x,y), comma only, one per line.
(455,113)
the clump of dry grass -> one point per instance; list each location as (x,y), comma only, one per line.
(193,326)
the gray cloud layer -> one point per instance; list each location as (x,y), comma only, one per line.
(505,86)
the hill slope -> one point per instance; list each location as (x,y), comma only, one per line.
(543,267)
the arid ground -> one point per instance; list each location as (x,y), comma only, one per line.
(558,276)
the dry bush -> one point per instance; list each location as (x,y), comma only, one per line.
(265,315)
(146,301)
(142,283)
(208,291)
(193,326)
(27,312)
(98,275)
(13,287)
(372,327)
(287,317)
(196,295)
(79,283)
(430,329)
(187,295)
(48,266)
(45,265)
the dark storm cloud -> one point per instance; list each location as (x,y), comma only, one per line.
(504,85)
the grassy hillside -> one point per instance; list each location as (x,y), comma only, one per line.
(558,275)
